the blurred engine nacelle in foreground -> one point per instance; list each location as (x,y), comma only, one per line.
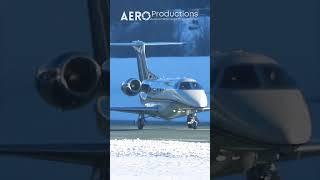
(69,81)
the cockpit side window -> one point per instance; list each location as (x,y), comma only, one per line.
(189,86)
(242,76)
(276,78)
(195,85)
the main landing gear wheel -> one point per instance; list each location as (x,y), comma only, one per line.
(141,122)
(192,121)
(263,172)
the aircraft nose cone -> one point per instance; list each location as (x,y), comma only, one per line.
(196,98)
(288,116)
(269,116)
(200,102)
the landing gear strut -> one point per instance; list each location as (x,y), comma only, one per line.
(99,172)
(192,121)
(141,121)
(263,172)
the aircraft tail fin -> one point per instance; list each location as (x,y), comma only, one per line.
(140,48)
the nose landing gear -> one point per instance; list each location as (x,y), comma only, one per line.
(263,172)
(192,121)
(141,121)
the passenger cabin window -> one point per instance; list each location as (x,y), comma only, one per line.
(189,86)
(240,77)
(276,78)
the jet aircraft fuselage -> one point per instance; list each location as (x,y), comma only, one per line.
(256,98)
(260,117)
(174,97)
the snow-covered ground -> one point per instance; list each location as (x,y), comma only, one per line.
(159,159)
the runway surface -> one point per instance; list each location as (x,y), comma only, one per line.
(161,151)
(160,130)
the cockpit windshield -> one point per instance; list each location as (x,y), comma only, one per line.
(249,76)
(276,78)
(189,86)
(240,77)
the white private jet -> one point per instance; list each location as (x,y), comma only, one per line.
(165,98)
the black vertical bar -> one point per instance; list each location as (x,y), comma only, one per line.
(212,18)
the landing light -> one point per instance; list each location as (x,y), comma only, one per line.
(221,158)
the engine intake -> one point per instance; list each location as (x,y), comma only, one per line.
(131,87)
(69,81)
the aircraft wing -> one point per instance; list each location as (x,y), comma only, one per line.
(150,110)
(85,154)
(304,151)
(136,110)
(94,155)
(203,109)
(197,109)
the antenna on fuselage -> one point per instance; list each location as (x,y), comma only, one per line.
(140,48)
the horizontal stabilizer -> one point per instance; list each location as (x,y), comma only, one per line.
(141,43)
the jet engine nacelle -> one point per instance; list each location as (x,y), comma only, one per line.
(131,87)
(69,81)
